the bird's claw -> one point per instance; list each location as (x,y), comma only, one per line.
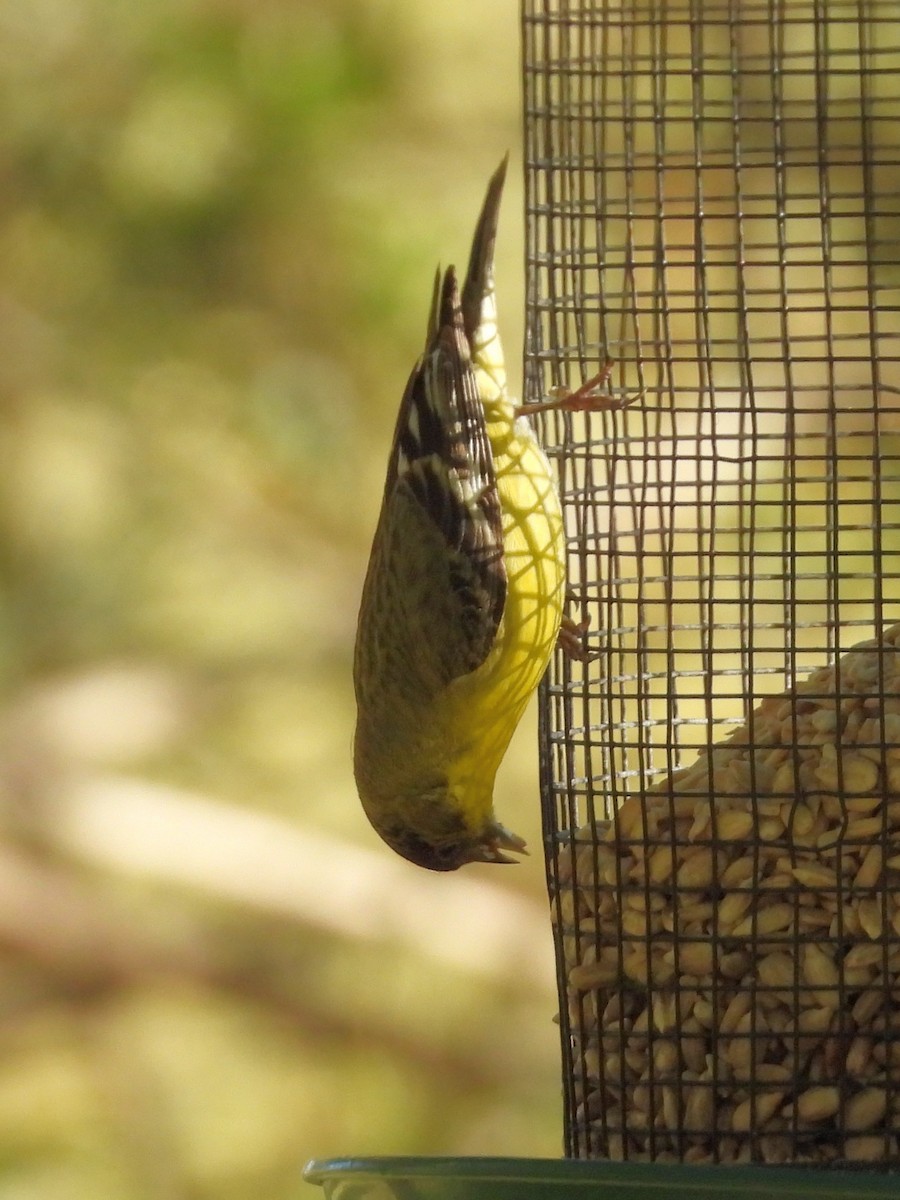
(586,398)
(570,639)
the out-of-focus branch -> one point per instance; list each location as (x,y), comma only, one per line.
(61,924)
(262,862)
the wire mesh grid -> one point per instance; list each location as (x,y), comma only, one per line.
(713,201)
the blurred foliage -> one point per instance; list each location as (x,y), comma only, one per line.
(218,225)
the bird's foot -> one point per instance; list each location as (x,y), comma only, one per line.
(570,638)
(586,398)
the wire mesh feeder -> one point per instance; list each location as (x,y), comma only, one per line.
(714,202)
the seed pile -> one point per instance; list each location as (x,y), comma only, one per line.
(732,939)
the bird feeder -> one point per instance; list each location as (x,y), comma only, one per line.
(713,203)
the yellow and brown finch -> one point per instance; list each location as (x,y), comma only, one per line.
(464,594)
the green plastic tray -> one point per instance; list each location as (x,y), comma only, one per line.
(561,1179)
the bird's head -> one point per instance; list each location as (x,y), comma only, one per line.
(431,829)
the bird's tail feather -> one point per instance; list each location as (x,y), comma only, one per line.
(479,302)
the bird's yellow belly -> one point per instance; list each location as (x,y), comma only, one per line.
(492,699)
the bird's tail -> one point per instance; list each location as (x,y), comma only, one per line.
(479,300)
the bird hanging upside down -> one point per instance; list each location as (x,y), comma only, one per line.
(463,598)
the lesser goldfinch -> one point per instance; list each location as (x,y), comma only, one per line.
(464,593)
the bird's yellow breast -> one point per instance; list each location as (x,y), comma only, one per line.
(488,704)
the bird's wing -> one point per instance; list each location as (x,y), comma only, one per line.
(441,495)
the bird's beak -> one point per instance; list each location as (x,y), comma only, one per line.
(498,840)
(490,853)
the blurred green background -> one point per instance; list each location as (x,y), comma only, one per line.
(219,222)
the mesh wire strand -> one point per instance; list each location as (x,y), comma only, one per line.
(713,201)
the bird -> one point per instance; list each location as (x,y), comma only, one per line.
(463,599)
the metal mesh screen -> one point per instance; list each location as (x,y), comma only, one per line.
(713,201)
